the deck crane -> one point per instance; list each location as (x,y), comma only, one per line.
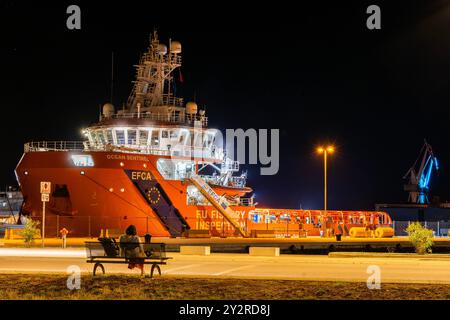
(419,175)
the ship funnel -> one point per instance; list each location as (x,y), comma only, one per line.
(108,110)
(175,47)
(191,108)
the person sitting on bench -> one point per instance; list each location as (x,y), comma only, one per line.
(132,249)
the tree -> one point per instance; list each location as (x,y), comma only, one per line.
(420,237)
(29,232)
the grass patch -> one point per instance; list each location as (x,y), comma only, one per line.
(51,287)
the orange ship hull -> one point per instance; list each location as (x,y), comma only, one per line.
(126,188)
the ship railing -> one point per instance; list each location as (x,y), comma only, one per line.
(162,117)
(179,151)
(236,181)
(239,181)
(170,59)
(243,202)
(36,146)
(170,100)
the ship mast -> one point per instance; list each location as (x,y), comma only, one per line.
(153,78)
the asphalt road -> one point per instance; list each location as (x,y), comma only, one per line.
(298,267)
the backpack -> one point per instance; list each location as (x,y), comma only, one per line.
(110,247)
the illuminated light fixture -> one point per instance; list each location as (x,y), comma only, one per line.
(122,190)
(25,173)
(111,189)
(145,165)
(328,149)
(122,164)
(325,151)
(82,173)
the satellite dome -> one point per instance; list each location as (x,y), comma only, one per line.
(191,107)
(108,110)
(175,47)
(162,49)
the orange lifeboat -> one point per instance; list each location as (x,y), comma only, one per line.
(230,191)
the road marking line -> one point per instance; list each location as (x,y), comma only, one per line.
(234,269)
(180,268)
(31,270)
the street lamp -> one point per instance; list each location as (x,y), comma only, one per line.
(325,151)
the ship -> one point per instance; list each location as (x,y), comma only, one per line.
(155,164)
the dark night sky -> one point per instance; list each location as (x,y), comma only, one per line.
(315,72)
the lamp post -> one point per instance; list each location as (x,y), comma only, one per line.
(325,151)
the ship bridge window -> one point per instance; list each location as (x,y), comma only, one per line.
(164,134)
(120,134)
(109,136)
(131,136)
(208,140)
(82,160)
(101,137)
(173,134)
(93,137)
(143,137)
(175,169)
(155,138)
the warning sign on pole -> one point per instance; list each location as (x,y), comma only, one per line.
(46,187)
(45,197)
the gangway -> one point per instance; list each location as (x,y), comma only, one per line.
(220,203)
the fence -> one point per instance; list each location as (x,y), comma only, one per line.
(88,226)
(440,228)
(92,226)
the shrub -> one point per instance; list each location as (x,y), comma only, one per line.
(420,237)
(30,231)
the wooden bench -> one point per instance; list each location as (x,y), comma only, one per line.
(108,251)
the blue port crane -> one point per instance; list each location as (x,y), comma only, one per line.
(419,175)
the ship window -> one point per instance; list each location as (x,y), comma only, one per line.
(120,134)
(173,134)
(155,138)
(82,160)
(131,136)
(94,137)
(109,136)
(164,134)
(176,115)
(175,169)
(101,137)
(143,137)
